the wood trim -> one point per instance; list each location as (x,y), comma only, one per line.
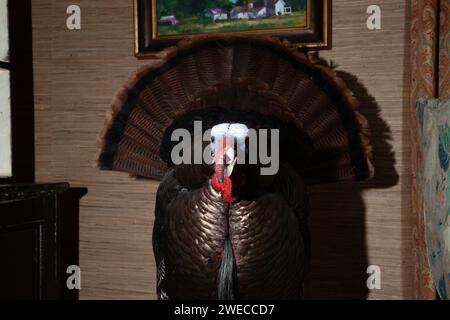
(22,100)
(4,65)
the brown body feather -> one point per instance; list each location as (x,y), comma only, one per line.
(268,232)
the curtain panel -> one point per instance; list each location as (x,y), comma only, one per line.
(430,72)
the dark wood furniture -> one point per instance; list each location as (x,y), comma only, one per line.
(38,240)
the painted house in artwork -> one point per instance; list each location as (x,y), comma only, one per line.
(240,12)
(268,8)
(168,21)
(216,14)
(261,12)
(260,9)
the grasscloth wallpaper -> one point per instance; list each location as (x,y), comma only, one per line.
(78,72)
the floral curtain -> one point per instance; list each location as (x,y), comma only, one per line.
(430,78)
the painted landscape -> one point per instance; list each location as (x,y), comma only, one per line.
(184,17)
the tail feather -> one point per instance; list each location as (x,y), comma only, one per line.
(264,76)
(227,273)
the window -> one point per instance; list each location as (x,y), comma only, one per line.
(16,92)
(5,103)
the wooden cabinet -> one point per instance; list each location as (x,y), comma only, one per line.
(38,240)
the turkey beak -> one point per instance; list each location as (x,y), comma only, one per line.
(225,159)
(230,160)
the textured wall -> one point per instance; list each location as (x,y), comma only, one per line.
(78,72)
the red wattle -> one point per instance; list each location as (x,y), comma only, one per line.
(226,187)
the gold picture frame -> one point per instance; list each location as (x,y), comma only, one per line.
(314,32)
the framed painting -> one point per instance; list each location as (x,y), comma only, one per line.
(161,23)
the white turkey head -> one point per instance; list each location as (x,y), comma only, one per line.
(227,147)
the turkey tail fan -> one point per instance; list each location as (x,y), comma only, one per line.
(261,76)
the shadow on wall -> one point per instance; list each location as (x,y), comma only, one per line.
(338,213)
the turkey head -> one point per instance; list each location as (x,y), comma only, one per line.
(227,141)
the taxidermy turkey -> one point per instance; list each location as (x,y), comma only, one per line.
(223,230)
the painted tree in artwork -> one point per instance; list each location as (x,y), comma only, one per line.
(191,7)
(178,7)
(167,7)
(297,4)
(182,8)
(224,4)
(242,2)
